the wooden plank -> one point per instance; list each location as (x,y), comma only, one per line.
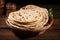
(6,34)
(48,35)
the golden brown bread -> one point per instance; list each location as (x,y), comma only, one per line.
(31,19)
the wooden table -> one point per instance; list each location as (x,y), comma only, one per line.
(53,33)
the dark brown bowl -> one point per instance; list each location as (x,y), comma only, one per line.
(29,33)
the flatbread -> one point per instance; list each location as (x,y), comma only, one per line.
(27,17)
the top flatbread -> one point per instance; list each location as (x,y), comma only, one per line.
(24,16)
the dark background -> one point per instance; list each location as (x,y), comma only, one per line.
(21,3)
(34,1)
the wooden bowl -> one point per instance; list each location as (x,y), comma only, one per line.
(29,33)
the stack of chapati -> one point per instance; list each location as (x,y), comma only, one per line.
(30,17)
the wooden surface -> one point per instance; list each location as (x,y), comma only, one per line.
(53,33)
